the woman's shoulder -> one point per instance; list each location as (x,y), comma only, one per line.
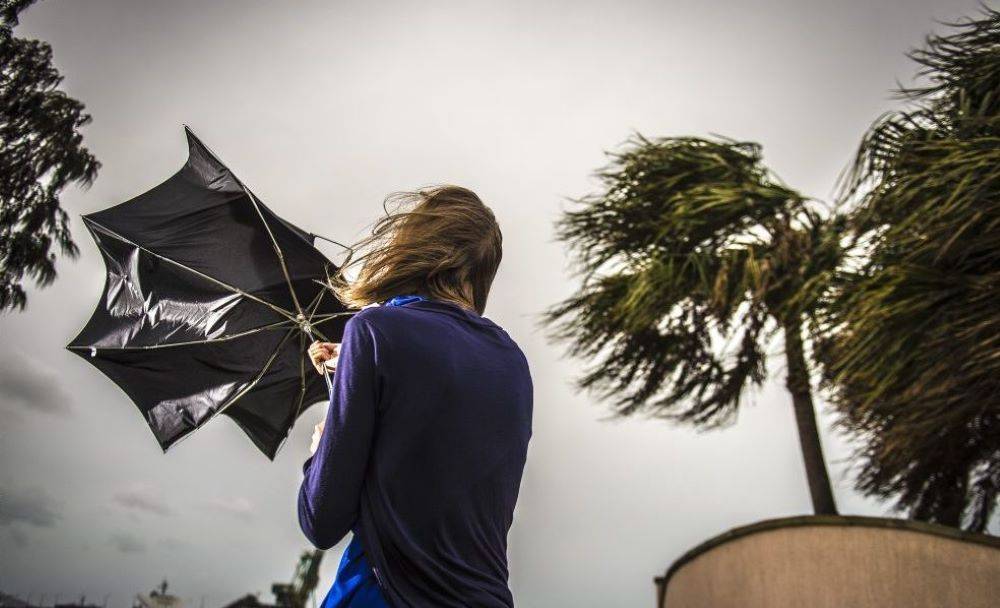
(427,318)
(366,316)
(382,318)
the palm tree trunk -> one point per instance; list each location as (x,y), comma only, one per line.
(805,417)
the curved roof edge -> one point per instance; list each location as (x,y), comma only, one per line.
(824,520)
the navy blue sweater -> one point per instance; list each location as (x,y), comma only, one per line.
(422,453)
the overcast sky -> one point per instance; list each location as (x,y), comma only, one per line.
(323,108)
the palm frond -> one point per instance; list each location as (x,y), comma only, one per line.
(691,245)
(911,352)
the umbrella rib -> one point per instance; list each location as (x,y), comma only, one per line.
(277,249)
(324,317)
(332,315)
(313,306)
(329,240)
(253,383)
(188,342)
(222,284)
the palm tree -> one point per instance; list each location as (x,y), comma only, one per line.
(692,257)
(910,346)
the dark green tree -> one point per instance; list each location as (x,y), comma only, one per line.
(910,347)
(692,257)
(41,152)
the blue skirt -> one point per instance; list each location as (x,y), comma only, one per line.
(355,585)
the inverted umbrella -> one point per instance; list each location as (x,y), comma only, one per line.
(209,303)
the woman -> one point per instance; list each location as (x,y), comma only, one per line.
(425,439)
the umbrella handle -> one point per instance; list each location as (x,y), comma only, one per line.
(326,370)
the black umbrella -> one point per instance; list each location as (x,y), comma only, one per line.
(209,305)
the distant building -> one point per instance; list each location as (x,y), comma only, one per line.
(248,601)
(157,598)
(9,601)
(295,594)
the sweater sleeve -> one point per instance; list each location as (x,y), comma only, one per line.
(331,489)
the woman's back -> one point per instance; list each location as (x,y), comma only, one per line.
(451,397)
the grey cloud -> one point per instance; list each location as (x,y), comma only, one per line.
(19,537)
(127,543)
(141,498)
(173,543)
(31,506)
(238,507)
(31,386)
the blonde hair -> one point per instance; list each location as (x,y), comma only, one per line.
(440,242)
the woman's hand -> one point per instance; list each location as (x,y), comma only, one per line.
(324,354)
(317,433)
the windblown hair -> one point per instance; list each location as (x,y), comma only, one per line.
(439,242)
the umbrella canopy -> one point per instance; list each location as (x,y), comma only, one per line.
(209,305)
